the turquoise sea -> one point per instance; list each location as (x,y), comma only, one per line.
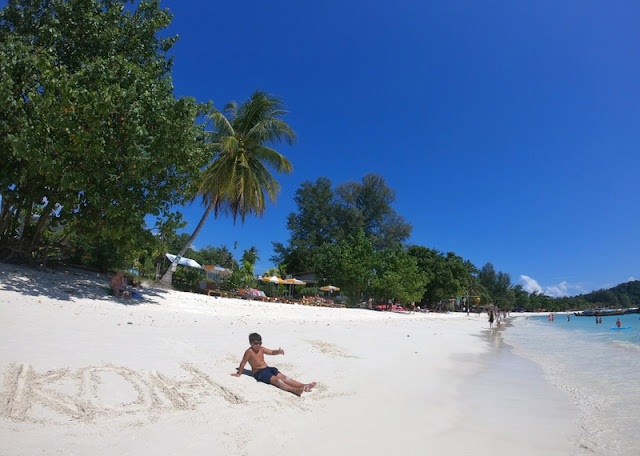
(598,366)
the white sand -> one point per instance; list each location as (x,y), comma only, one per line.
(84,374)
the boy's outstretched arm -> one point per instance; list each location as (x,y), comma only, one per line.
(245,358)
(268,351)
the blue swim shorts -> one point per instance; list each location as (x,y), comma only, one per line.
(264,375)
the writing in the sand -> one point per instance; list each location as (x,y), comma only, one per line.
(101,391)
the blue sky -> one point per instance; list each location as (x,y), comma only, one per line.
(509,130)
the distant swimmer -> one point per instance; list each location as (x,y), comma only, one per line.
(568,317)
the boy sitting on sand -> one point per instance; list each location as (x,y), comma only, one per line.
(263,373)
(117,286)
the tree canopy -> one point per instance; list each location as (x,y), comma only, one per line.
(328,215)
(92,138)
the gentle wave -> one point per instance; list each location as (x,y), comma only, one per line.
(597,367)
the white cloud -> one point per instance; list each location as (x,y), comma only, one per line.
(530,285)
(563,288)
(558,290)
(631,279)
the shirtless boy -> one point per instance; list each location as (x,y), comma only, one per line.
(117,285)
(263,373)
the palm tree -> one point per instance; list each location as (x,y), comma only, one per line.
(238,181)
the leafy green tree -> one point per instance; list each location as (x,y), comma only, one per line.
(327,216)
(367,206)
(348,264)
(311,227)
(248,263)
(217,255)
(397,276)
(499,286)
(522,300)
(606,298)
(92,138)
(447,276)
(540,301)
(238,181)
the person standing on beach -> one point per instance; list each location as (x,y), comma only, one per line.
(269,375)
(490,319)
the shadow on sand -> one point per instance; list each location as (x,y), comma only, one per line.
(67,284)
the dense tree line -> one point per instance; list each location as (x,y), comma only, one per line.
(93,142)
(351,237)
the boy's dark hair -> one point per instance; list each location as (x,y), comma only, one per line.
(254,337)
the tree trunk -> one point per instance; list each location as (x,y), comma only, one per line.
(27,222)
(168,276)
(42,221)
(4,215)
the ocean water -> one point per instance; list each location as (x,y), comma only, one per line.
(600,369)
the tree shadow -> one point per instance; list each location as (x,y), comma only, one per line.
(67,284)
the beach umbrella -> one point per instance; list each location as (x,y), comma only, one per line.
(293,281)
(329,288)
(184,261)
(273,279)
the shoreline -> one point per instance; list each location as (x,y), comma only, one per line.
(82,373)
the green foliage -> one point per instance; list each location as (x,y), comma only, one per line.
(308,291)
(624,295)
(220,256)
(248,262)
(521,297)
(397,276)
(498,285)
(348,264)
(327,216)
(233,282)
(239,181)
(311,227)
(446,276)
(367,207)
(91,136)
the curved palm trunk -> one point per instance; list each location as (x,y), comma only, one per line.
(168,276)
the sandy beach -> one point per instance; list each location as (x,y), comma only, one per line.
(85,373)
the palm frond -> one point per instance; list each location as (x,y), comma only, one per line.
(271,131)
(221,123)
(231,110)
(238,181)
(273,159)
